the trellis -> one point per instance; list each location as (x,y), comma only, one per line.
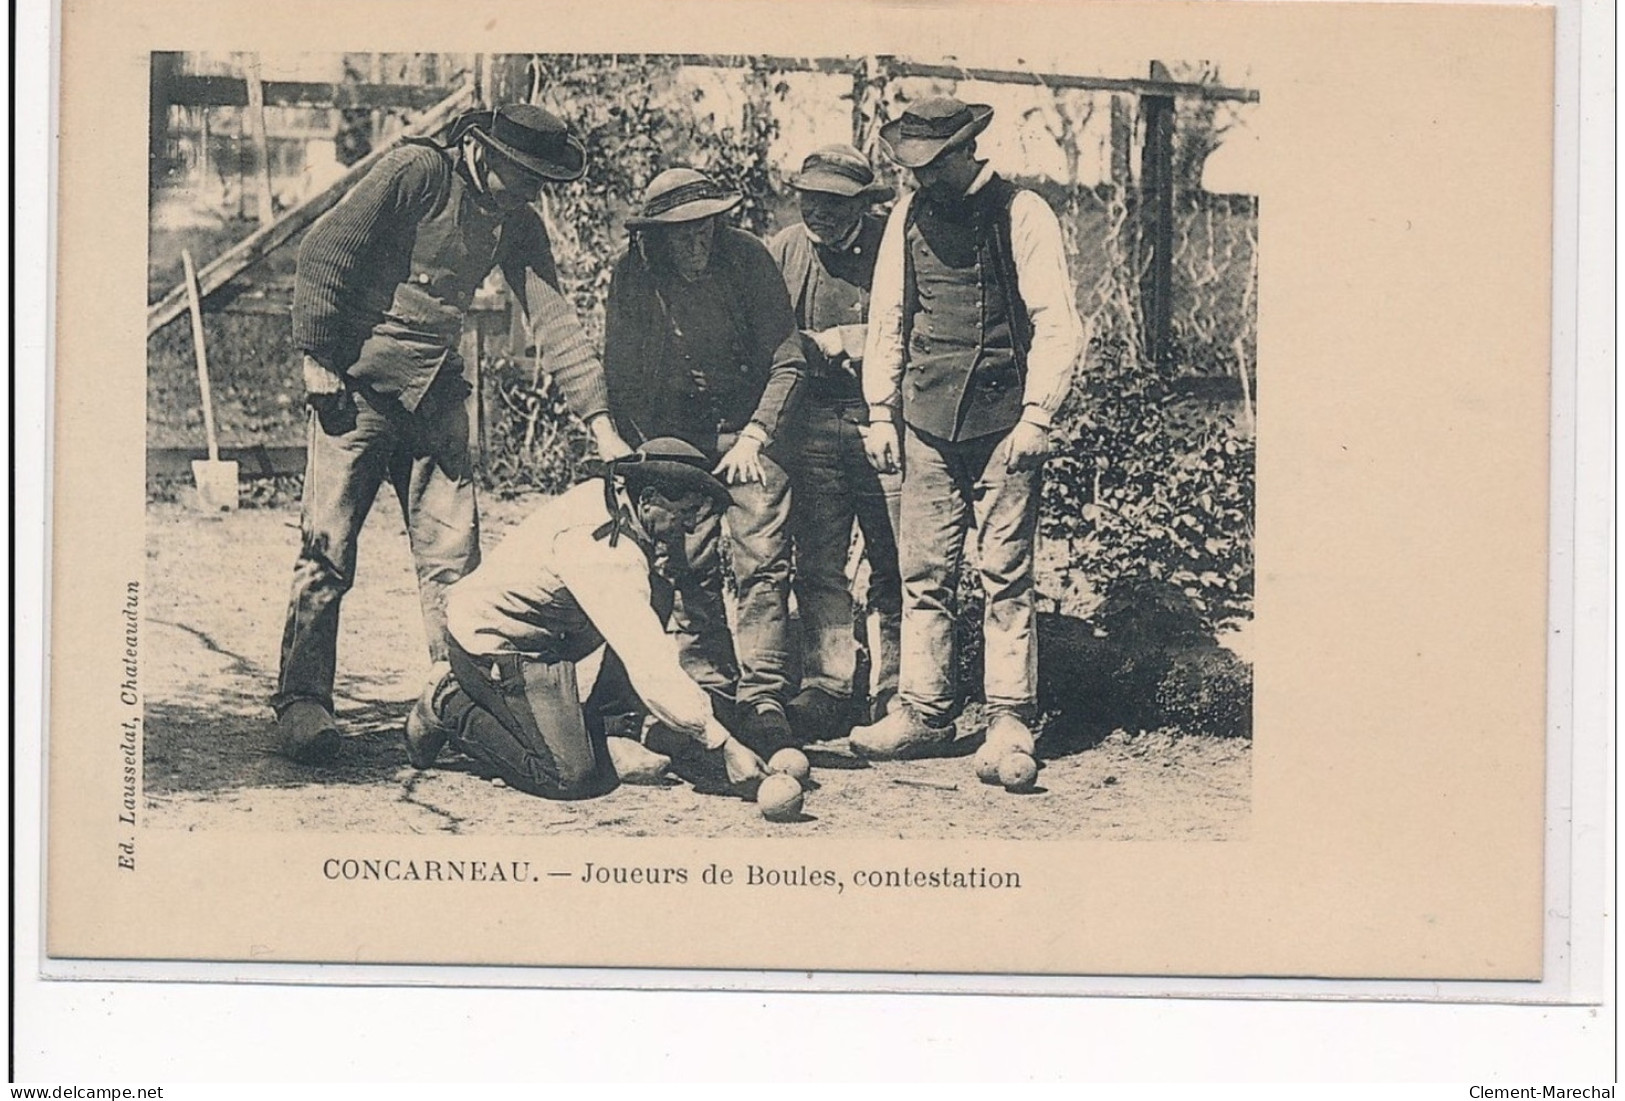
(1152,252)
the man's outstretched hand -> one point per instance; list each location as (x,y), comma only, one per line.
(746,771)
(743,462)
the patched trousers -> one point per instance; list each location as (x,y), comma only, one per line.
(948,487)
(353,450)
(751,662)
(835,485)
(522,719)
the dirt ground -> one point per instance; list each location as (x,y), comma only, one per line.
(216,591)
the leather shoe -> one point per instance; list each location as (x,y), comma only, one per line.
(764,729)
(307,733)
(425,734)
(902,735)
(817,716)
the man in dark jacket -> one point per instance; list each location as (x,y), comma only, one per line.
(383,283)
(700,344)
(828,261)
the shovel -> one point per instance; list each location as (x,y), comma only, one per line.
(216,480)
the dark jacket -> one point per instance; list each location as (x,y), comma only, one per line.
(735,360)
(385,278)
(829,289)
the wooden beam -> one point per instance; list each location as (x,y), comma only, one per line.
(231,263)
(899,67)
(1166,88)
(225,91)
(230,91)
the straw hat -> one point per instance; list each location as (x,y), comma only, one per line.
(682,195)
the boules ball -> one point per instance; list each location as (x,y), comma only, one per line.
(779,798)
(791,762)
(986,763)
(1017,771)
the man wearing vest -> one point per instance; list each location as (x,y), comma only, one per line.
(973,333)
(383,283)
(828,261)
(700,344)
(576,578)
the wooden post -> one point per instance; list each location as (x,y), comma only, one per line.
(160,77)
(203,148)
(375,74)
(472,348)
(860,82)
(1122,141)
(1157,211)
(261,147)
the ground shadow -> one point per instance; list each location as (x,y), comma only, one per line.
(202,749)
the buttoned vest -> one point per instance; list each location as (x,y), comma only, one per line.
(454,250)
(965,326)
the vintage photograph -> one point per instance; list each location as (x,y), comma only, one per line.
(693,446)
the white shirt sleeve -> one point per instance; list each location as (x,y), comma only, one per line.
(883,350)
(612,587)
(1046,288)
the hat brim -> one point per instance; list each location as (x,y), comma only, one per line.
(830,183)
(687,479)
(919,152)
(551,171)
(687,212)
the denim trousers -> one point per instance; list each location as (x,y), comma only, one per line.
(751,662)
(948,486)
(834,486)
(354,448)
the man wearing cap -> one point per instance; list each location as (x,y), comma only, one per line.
(576,576)
(700,344)
(828,261)
(973,334)
(383,283)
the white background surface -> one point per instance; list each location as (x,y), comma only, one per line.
(150,1033)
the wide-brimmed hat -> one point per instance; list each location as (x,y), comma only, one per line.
(534,139)
(678,466)
(931,127)
(682,195)
(841,170)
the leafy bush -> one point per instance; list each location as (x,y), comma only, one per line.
(1150,487)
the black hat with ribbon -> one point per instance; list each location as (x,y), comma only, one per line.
(682,195)
(931,127)
(535,139)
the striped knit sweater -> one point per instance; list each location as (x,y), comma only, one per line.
(356,277)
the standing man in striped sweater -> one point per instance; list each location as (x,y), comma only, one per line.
(384,282)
